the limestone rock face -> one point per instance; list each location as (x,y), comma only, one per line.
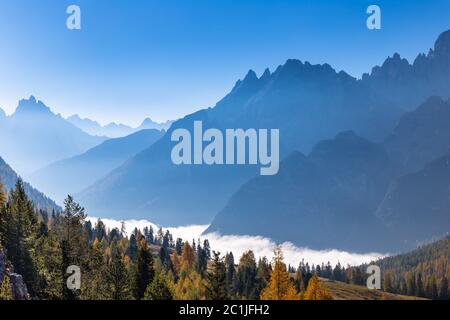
(18,286)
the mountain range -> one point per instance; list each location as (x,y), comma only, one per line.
(114,130)
(351,189)
(81,171)
(308,103)
(365,161)
(33,136)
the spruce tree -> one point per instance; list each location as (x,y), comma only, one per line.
(216,288)
(230,272)
(117,276)
(73,242)
(262,275)
(245,285)
(144,270)
(21,221)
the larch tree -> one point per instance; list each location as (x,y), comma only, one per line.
(315,291)
(5,289)
(280,286)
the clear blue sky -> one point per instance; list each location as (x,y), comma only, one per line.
(167,58)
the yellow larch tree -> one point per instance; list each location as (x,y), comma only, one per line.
(316,291)
(280,286)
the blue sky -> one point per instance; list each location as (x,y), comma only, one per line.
(167,58)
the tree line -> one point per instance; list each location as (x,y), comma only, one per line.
(151,264)
(423,272)
(148,264)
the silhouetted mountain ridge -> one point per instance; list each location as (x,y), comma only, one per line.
(33,136)
(81,171)
(307,103)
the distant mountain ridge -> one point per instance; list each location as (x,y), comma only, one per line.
(308,103)
(33,136)
(9,178)
(410,204)
(323,200)
(81,171)
(115,130)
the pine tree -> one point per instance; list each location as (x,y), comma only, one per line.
(245,286)
(133,247)
(73,243)
(93,284)
(117,277)
(230,272)
(315,291)
(202,259)
(21,221)
(158,289)
(262,275)
(280,286)
(179,246)
(100,230)
(216,288)
(144,269)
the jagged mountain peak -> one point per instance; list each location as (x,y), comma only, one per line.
(442,45)
(392,66)
(251,76)
(32,105)
(266,75)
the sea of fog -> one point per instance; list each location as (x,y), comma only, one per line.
(238,244)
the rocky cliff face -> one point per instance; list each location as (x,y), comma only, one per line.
(18,286)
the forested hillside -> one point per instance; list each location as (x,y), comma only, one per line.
(9,178)
(424,272)
(144,265)
(151,264)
